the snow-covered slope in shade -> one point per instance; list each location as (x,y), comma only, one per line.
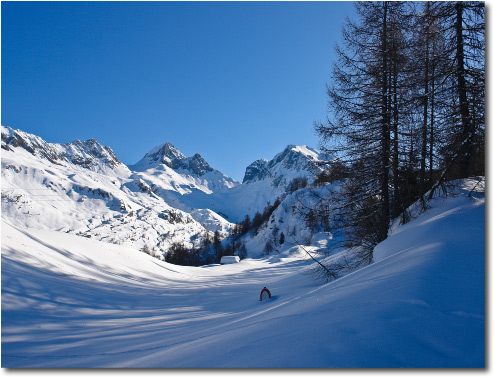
(288,224)
(73,302)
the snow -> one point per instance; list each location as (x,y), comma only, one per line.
(307,151)
(68,301)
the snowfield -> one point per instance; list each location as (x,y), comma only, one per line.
(68,301)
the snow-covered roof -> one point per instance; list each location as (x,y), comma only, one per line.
(230,259)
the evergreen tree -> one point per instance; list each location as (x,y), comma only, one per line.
(257,221)
(268,248)
(282,238)
(246,224)
(217,246)
(178,254)
(242,252)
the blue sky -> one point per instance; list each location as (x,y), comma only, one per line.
(233,81)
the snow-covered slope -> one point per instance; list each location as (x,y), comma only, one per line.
(69,301)
(290,224)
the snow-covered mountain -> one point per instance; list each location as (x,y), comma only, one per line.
(295,161)
(82,188)
(186,183)
(191,184)
(265,181)
(167,162)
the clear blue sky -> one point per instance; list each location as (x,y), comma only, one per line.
(233,81)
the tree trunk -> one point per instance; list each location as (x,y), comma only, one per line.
(423,151)
(385,132)
(465,147)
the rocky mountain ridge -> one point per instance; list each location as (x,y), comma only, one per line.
(88,154)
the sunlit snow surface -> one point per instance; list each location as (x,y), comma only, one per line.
(68,301)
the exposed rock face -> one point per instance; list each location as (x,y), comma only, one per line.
(91,153)
(197,165)
(256,171)
(164,154)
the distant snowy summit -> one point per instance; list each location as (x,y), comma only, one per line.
(265,181)
(87,154)
(170,156)
(293,161)
(172,166)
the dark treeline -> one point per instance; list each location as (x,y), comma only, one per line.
(406,109)
(210,250)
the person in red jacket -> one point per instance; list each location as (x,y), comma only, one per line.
(265,294)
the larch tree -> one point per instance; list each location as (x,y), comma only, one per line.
(362,131)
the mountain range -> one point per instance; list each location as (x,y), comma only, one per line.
(82,188)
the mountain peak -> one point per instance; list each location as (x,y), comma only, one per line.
(256,171)
(293,160)
(163,154)
(167,154)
